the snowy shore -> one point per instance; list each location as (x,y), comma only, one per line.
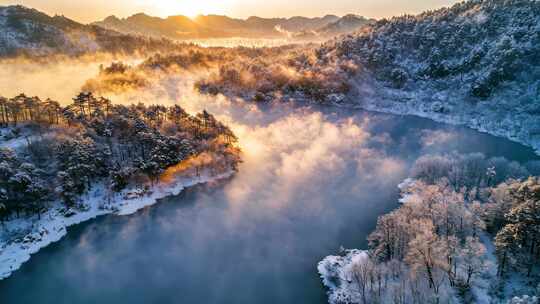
(20,238)
(337,275)
(505,115)
(335,272)
(344,275)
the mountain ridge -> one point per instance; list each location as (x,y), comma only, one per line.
(222,26)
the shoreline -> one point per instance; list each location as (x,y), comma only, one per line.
(496,116)
(446,119)
(52,225)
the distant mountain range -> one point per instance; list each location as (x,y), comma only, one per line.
(215,26)
(31,32)
(344,25)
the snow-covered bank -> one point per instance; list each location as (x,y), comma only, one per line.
(19,238)
(339,274)
(336,274)
(434,248)
(504,115)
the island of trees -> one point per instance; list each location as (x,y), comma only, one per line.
(50,153)
(468,231)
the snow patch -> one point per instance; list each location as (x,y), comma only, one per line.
(406,195)
(335,272)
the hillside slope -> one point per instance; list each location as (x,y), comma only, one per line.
(30,32)
(476,63)
(344,25)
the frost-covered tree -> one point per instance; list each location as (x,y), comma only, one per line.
(22,185)
(362,274)
(426,257)
(469,171)
(471,259)
(524,300)
(520,236)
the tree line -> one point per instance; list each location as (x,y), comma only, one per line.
(64,151)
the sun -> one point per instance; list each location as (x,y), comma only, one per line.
(190,8)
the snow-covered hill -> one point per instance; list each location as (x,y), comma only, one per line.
(344,25)
(31,32)
(476,63)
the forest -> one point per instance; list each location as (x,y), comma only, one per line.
(254,74)
(51,153)
(466,225)
(480,45)
(474,49)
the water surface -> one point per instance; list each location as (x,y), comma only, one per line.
(313,180)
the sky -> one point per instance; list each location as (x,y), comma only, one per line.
(88,11)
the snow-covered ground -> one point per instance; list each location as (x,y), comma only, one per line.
(18,137)
(19,238)
(336,275)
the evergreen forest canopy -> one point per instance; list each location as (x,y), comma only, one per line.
(53,152)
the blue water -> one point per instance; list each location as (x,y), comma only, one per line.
(312,180)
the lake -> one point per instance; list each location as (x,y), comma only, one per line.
(313,180)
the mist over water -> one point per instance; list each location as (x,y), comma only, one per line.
(313,179)
(245,42)
(57,78)
(58,82)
